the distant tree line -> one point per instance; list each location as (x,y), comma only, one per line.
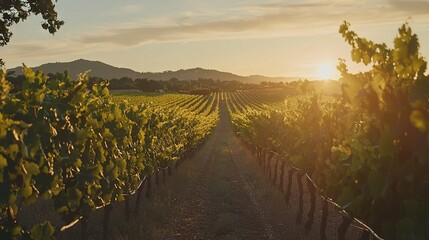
(200,86)
(174,85)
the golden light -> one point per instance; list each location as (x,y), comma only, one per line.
(326,71)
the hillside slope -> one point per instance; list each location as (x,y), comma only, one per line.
(105,71)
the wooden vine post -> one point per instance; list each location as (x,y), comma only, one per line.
(300,198)
(312,189)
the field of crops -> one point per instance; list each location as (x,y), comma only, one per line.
(84,149)
(365,151)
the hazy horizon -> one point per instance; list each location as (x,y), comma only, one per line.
(166,70)
(276,38)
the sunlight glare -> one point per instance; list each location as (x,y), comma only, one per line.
(326,71)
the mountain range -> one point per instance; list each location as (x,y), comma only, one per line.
(105,71)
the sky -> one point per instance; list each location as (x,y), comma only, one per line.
(274,38)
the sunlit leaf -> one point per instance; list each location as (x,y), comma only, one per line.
(418,120)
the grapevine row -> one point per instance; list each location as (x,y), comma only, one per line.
(75,146)
(366,150)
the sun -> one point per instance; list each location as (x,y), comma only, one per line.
(326,71)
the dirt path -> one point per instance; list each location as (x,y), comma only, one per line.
(221,203)
(231,199)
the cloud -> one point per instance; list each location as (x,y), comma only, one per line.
(126,10)
(411,7)
(246,21)
(186,28)
(43,49)
(266,19)
(282,5)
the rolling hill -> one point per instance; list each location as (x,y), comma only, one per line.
(105,71)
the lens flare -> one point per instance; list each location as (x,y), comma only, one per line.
(326,71)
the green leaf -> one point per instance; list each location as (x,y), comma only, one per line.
(32,168)
(27,191)
(117,113)
(42,231)
(356,55)
(107,134)
(366,59)
(105,91)
(418,120)
(74,194)
(3,162)
(39,96)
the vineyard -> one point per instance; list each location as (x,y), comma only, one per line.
(85,150)
(365,152)
(348,166)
